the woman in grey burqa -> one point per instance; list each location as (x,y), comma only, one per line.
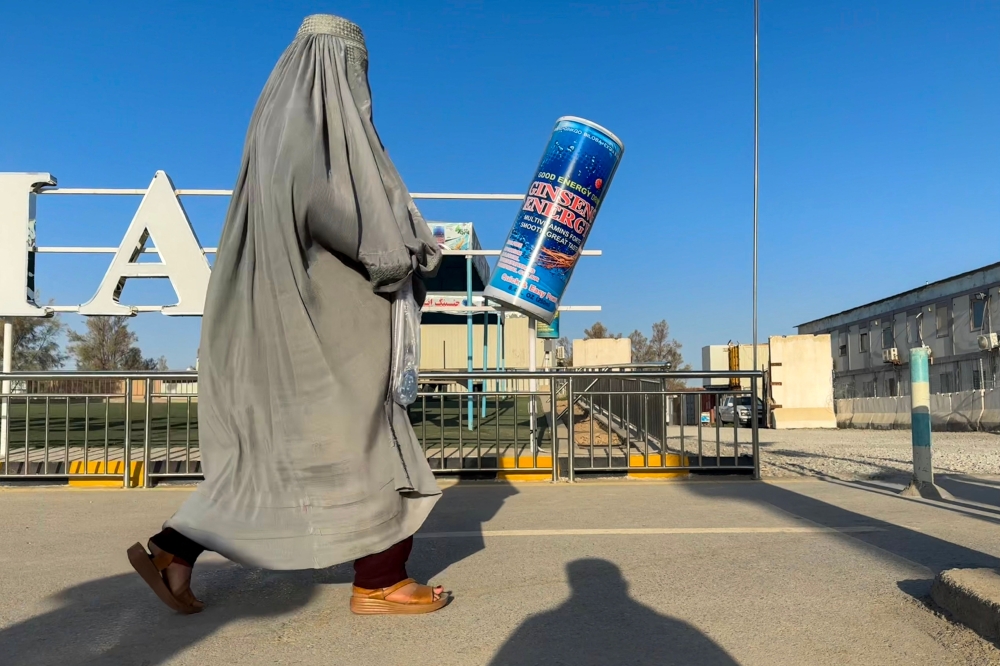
(308,462)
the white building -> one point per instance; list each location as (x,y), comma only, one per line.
(956,317)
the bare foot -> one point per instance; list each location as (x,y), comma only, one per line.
(406,593)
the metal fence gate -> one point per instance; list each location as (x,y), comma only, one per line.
(138,429)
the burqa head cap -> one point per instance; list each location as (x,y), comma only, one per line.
(328,24)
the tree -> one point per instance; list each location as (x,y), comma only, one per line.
(108,344)
(598,332)
(36,343)
(659,348)
(566,344)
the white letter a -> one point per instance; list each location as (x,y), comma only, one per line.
(182,260)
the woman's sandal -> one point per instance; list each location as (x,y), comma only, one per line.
(374,602)
(152,568)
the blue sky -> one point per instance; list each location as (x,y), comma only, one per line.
(879,134)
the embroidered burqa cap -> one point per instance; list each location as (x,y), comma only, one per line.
(306,461)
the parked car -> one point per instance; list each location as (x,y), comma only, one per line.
(742,407)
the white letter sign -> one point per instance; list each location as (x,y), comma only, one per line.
(161,218)
(17,243)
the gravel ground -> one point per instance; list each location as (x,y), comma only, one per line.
(872,454)
(851,454)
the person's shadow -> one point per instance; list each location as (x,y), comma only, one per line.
(117,621)
(601,624)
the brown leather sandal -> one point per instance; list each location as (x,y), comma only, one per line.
(152,568)
(374,602)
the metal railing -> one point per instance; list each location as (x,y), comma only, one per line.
(128,427)
(646,429)
(142,428)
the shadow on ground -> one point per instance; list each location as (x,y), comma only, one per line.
(601,624)
(457,511)
(118,621)
(971,489)
(877,470)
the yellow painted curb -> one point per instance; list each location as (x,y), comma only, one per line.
(522,474)
(673,460)
(96,467)
(91,475)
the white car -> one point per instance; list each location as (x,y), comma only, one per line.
(742,405)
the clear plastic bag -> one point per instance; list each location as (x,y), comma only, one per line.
(405,345)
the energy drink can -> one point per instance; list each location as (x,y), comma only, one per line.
(556,217)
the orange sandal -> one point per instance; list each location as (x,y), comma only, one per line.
(374,602)
(152,568)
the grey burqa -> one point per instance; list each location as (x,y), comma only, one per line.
(307,462)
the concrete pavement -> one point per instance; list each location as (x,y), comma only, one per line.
(600,572)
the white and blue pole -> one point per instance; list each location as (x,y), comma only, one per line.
(920,415)
(922,484)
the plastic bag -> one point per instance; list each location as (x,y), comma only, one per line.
(405,345)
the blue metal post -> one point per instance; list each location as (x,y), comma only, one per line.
(501,345)
(468,326)
(499,339)
(486,360)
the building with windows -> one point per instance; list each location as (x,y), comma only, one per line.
(956,317)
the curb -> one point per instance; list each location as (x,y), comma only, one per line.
(972,596)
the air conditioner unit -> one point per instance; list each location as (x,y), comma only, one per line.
(890,355)
(989,341)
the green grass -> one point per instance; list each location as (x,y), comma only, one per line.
(506,419)
(444,419)
(73,422)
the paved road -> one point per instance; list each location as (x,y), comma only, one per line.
(694,572)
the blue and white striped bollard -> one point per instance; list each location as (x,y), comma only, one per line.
(922,484)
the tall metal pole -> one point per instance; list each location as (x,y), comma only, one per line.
(756,85)
(755,441)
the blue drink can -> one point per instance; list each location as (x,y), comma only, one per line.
(555,219)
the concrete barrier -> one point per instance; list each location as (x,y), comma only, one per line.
(990,420)
(788,418)
(972,596)
(963,411)
(799,401)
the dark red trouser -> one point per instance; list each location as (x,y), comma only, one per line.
(371,571)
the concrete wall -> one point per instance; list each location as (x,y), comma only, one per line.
(965,410)
(445,346)
(716,357)
(602,352)
(801,374)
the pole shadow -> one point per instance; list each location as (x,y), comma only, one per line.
(886,538)
(601,624)
(970,489)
